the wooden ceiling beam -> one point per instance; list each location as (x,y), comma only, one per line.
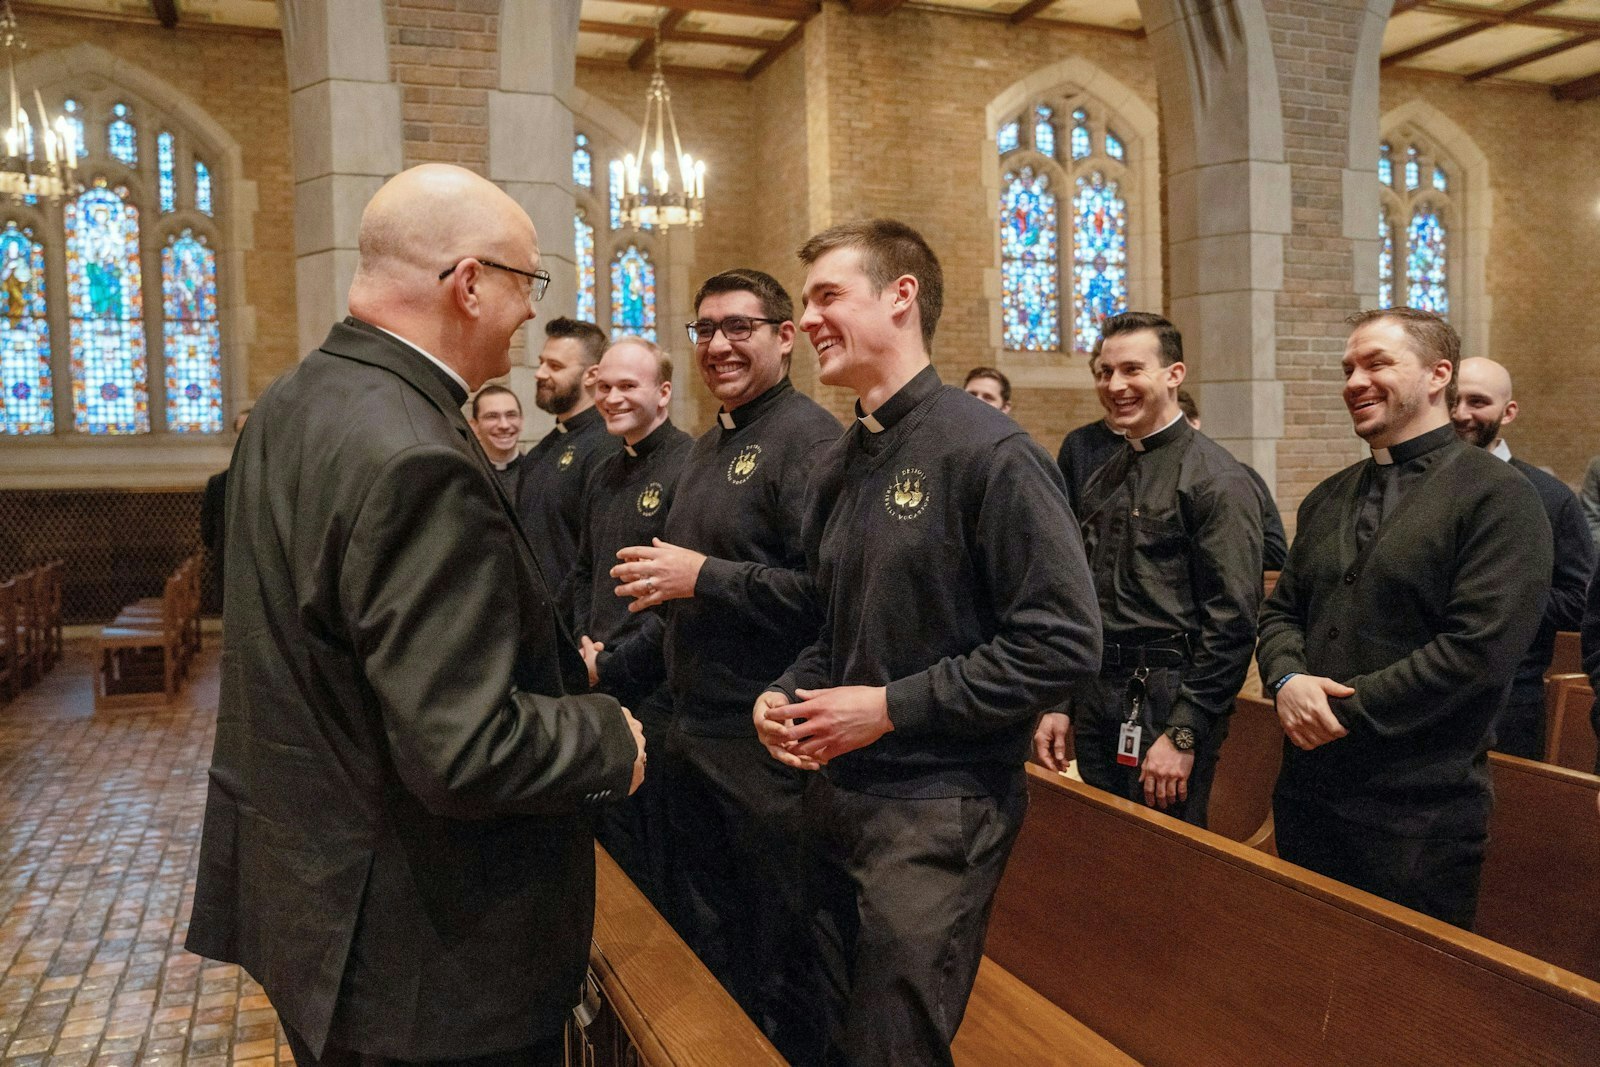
(1402,6)
(666,68)
(1516,16)
(875,7)
(166,12)
(794,10)
(1027,11)
(1584,88)
(1461,33)
(647,47)
(1533,57)
(625,29)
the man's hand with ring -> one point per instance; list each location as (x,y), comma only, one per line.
(655,573)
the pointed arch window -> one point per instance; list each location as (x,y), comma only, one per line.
(202,187)
(1044,131)
(122,137)
(584,249)
(1385,258)
(26,394)
(1029,263)
(165,167)
(192,335)
(1099,256)
(1416,220)
(110,393)
(582,162)
(633,293)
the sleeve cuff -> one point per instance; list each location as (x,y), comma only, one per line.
(910,702)
(715,578)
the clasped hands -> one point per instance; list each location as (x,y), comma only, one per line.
(824,724)
(1303,709)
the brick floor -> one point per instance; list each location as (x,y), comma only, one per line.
(99,831)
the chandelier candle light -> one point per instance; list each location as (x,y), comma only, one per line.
(654,199)
(23,173)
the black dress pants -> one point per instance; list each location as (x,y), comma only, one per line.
(904,889)
(633,831)
(1519,729)
(550,1052)
(734,823)
(1437,876)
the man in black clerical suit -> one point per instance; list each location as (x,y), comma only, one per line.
(497,420)
(957,606)
(1415,584)
(396,839)
(739,606)
(1484,407)
(1172,527)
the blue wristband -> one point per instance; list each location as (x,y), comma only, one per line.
(1281,682)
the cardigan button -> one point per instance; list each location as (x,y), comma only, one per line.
(1350,578)
(1333,633)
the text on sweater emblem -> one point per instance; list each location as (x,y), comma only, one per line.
(650,499)
(744,464)
(907,497)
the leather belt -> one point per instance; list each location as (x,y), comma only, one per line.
(1173,652)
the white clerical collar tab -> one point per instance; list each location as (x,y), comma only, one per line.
(872,424)
(561,427)
(1381,455)
(1136,443)
(727,421)
(1501,450)
(629,450)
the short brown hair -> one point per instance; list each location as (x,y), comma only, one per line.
(889,249)
(663,361)
(1167,335)
(1430,335)
(999,378)
(493,390)
(589,336)
(774,298)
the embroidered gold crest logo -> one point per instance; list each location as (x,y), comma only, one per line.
(650,499)
(744,464)
(567,457)
(907,497)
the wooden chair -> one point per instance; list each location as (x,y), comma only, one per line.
(50,612)
(1569,739)
(29,632)
(10,678)
(141,663)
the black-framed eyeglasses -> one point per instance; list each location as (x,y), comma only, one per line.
(541,278)
(734,328)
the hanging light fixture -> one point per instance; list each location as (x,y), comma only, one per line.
(657,191)
(41,155)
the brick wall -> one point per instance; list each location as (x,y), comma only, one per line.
(445,56)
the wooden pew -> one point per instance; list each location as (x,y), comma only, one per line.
(139,659)
(1541,873)
(1247,770)
(1569,739)
(1182,947)
(1568,655)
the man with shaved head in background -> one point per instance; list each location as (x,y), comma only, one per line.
(1484,407)
(397,841)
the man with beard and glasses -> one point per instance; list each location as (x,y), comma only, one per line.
(1415,584)
(556,471)
(1484,406)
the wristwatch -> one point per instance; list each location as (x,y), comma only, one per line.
(1182,738)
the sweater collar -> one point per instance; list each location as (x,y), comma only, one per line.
(651,441)
(897,407)
(581,421)
(749,412)
(1420,445)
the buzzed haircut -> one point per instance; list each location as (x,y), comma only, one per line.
(889,250)
(1170,340)
(1430,335)
(991,372)
(663,361)
(774,298)
(1191,410)
(493,390)
(587,334)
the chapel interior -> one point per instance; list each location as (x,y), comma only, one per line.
(1255,170)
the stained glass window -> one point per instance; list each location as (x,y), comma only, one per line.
(1385,259)
(1425,262)
(202,187)
(165,163)
(633,293)
(124,143)
(1007,139)
(615,188)
(1029,263)
(1044,131)
(1114,147)
(584,242)
(191,335)
(72,115)
(1385,166)
(1099,256)
(26,396)
(1081,145)
(582,163)
(1413,168)
(105,312)
(1440,182)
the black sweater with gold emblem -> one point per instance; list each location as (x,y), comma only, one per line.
(550,488)
(950,571)
(627,503)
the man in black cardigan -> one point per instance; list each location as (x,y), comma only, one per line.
(1415,584)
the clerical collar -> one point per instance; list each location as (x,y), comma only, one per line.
(902,403)
(581,421)
(430,357)
(1167,433)
(1420,445)
(650,442)
(507,465)
(750,411)
(1501,449)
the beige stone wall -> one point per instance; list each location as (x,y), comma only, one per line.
(239,79)
(1543,274)
(445,57)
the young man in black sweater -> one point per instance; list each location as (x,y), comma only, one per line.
(628,500)
(957,606)
(1484,406)
(1414,586)
(739,606)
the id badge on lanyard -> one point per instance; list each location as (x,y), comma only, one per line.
(1128,737)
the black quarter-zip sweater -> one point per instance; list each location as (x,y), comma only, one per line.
(951,571)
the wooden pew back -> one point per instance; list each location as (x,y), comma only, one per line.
(1247,770)
(1181,947)
(1569,732)
(1541,874)
(1567,658)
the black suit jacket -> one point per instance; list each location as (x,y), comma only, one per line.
(396,842)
